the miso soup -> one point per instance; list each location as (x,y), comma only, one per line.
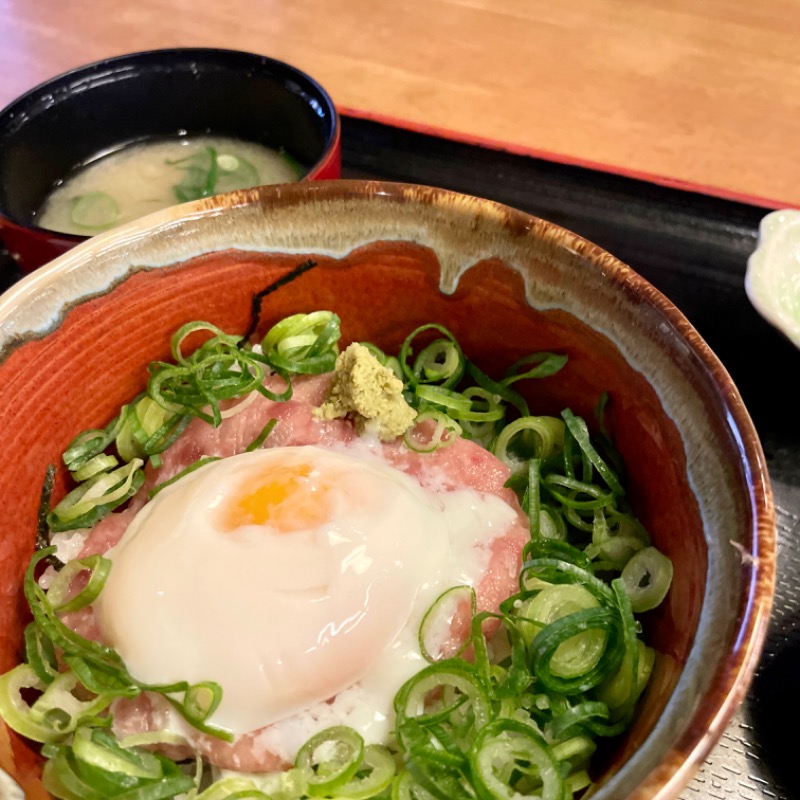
(142,178)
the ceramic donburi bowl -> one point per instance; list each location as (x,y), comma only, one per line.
(77,335)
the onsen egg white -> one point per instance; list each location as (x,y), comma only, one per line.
(292,576)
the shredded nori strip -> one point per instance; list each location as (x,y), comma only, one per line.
(255,308)
(42,528)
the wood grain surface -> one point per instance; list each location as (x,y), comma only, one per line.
(700,92)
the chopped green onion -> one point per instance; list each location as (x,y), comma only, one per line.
(552,603)
(503,391)
(262,437)
(446,431)
(95,211)
(440,362)
(405,788)
(63,637)
(330,759)
(453,674)
(435,625)
(90,443)
(616,550)
(546,364)
(216,371)
(305,344)
(143,424)
(647,577)
(576,782)
(235,172)
(533,437)
(199,175)
(373,776)
(94,499)
(40,654)
(453,403)
(578,494)
(579,430)
(485,406)
(576,718)
(54,714)
(195,465)
(201,701)
(57,595)
(149,738)
(576,750)
(100,749)
(621,690)
(233,788)
(578,671)
(96,767)
(557,570)
(207,173)
(507,752)
(101,463)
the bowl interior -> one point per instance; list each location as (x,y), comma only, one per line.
(103,106)
(527,286)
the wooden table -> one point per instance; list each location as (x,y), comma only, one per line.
(698,92)
(684,92)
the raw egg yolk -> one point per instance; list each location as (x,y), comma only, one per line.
(284,497)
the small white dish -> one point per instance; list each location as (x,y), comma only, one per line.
(772,281)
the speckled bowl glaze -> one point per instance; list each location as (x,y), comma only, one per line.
(77,335)
(773,273)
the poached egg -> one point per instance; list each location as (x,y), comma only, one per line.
(296,578)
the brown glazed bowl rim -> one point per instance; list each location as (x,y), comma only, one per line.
(36,305)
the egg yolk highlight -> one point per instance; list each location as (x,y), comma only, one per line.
(284,497)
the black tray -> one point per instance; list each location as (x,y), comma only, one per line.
(694,248)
